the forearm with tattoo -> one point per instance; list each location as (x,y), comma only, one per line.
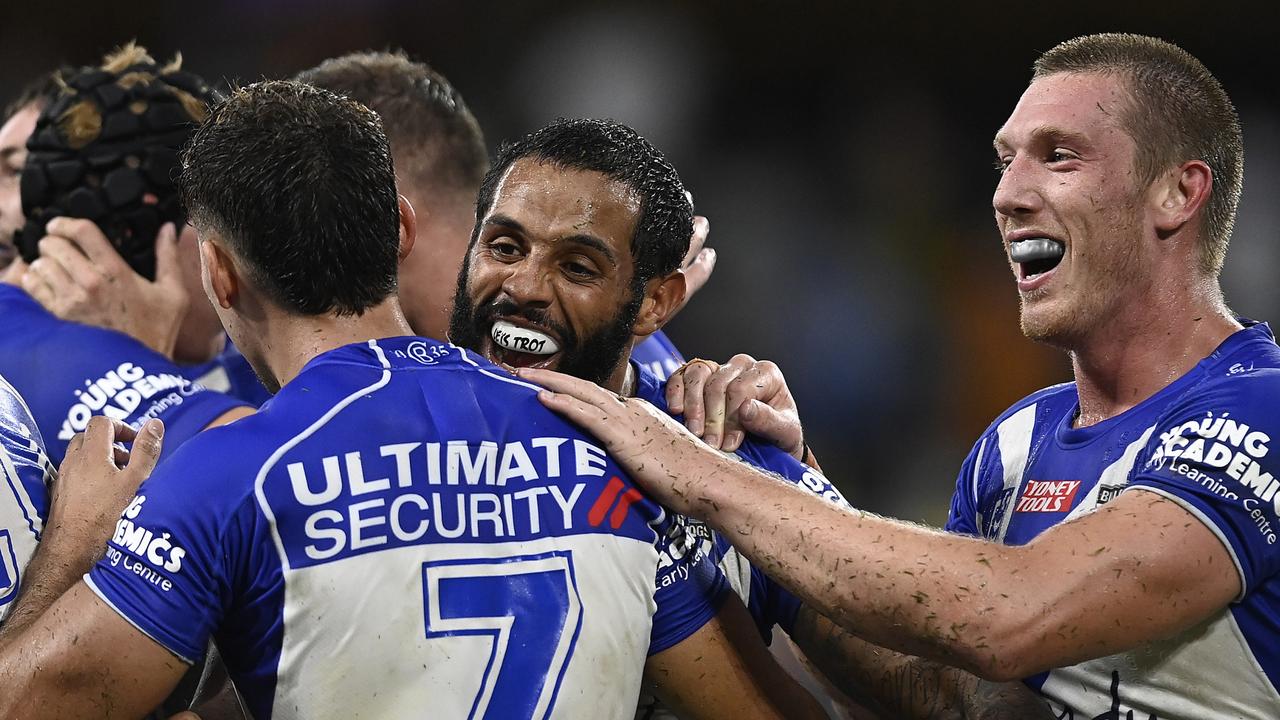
(905,686)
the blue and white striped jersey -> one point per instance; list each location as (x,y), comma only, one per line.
(404,529)
(1202,442)
(24,497)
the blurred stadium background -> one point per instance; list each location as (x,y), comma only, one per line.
(841,150)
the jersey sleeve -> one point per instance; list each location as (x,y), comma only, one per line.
(769,602)
(962,519)
(689,585)
(166,568)
(1211,454)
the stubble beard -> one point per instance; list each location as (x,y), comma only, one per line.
(1084,305)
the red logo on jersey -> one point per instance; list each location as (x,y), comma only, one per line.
(606,500)
(1047,496)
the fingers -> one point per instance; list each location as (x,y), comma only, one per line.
(783,429)
(146,448)
(697,241)
(99,439)
(579,389)
(167,271)
(78,267)
(691,401)
(47,281)
(579,412)
(33,281)
(13,274)
(699,272)
(92,242)
(713,396)
(103,439)
(714,404)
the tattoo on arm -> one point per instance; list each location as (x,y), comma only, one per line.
(904,686)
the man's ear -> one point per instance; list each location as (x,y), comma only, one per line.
(663,297)
(408,227)
(1180,195)
(221,280)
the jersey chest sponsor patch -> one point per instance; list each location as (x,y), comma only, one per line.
(1047,496)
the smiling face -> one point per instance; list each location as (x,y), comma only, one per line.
(1069,189)
(548,280)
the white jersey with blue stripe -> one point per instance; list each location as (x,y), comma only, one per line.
(404,531)
(1202,442)
(24,491)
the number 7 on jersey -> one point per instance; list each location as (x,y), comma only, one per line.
(530,607)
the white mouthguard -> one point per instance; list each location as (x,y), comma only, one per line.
(518,339)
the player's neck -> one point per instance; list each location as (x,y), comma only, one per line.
(296,340)
(623,380)
(1144,349)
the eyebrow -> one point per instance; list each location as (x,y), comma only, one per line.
(9,152)
(1046,132)
(587,240)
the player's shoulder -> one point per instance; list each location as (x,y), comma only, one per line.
(18,430)
(13,409)
(1060,397)
(1243,373)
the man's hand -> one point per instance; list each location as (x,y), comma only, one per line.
(97,479)
(95,482)
(721,403)
(698,263)
(649,444)
(80,277)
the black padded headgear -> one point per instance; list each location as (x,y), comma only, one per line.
(122,177)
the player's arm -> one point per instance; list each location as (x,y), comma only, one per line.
(82,659)
(1092,587)
(900,686)
(905,686)
(94,485)
(67,655)
(724,670)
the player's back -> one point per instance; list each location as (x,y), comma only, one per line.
(403,531)
(69,372)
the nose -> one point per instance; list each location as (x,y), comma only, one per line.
(528,282)
(1017,193)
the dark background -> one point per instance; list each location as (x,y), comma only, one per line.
(841,150)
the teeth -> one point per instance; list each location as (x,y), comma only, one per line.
(1031,249)
(518,339)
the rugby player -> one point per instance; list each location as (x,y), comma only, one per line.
(440,159)
(557,277)
(1124,560)
(384,469)
(440,162)
(66,371)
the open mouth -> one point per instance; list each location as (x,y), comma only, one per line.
(1036,256)
(518,347)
